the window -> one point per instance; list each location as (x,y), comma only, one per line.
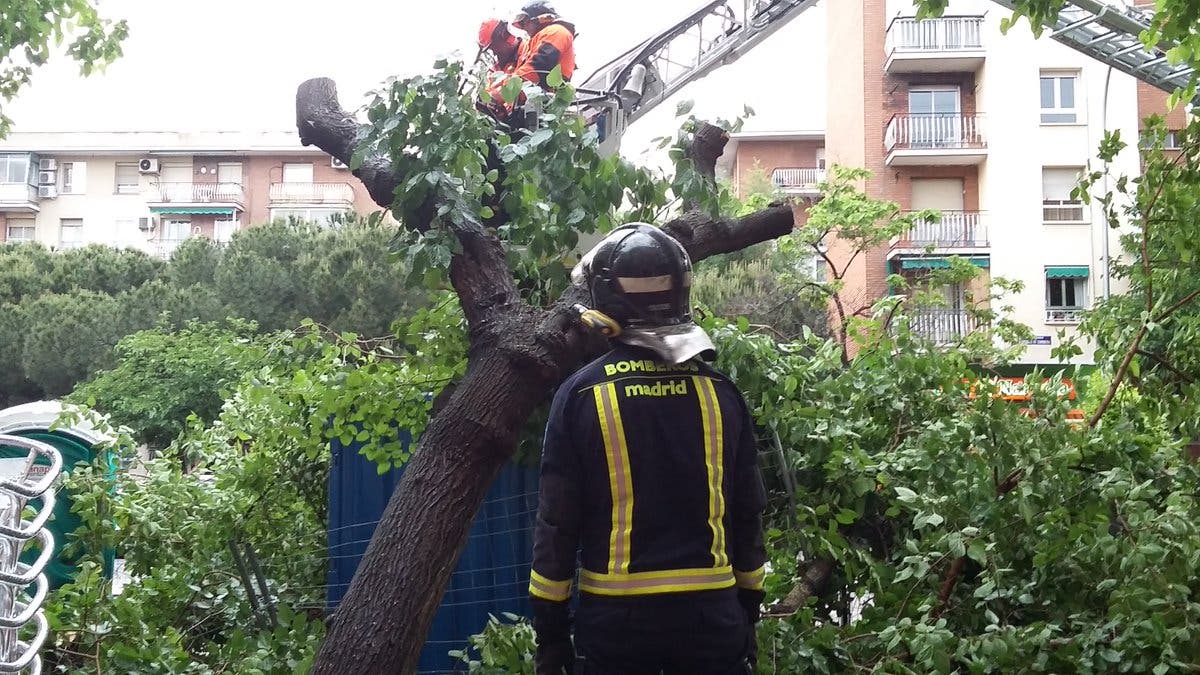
(1057,204)
(74,178)
(229,173)
(176,229)
(321,216)
(298,173)
(1060,98)
(1066,293)
(1170,140)
(20,229)
(127,179)
(223,230)
(14,169)
(934,117)
(70,233)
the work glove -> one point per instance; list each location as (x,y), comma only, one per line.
(554,658)
(552,622)
(751,602)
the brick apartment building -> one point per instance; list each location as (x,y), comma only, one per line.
(990,129)
(152,190)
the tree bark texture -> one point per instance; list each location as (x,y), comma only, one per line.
(518,354)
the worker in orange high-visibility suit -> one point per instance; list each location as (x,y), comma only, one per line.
(495,37)
(551,44)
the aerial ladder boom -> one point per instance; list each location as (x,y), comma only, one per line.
(1109,33)
(623,90)
(634,83)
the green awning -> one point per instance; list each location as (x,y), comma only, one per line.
(193,210)
(939,263)
(1066,272)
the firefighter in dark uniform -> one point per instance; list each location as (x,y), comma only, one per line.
(649,471)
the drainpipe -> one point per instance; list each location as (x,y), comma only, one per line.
(1104,123)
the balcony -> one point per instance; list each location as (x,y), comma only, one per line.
(952,44)
(225,195)
(1064,315)
(798,181)
(309,194)
(19,197)
(942,325)
(954,232)
(935,139)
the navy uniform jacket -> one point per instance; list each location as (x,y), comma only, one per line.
(650,470)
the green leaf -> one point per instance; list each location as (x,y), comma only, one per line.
(905,495)
(555,78)
(684,107)
(511,90)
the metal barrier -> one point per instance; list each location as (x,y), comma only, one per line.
(23,586)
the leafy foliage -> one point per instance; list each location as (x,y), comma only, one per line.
(163,378)
(67,311)
(503,648)
(33,28)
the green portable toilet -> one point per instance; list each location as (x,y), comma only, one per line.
(76,444)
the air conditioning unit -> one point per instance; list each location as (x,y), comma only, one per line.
(147,223)
(47,177)
(47,191)
(337,163)
(148,165)
(47,164)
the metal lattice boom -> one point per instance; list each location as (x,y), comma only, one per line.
(1110,34)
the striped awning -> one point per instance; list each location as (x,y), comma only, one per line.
(1063,272)
(939,263)
(194,210)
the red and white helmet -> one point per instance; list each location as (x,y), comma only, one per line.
(488,31)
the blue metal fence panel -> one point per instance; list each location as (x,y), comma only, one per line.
(492,574)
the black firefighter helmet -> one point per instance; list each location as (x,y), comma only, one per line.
(641,278)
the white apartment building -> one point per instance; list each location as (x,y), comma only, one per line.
(993,131)
(152,190)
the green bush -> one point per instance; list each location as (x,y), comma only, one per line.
(80,302)
(163,378)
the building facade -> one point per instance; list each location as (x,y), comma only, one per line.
(993,131)
(152,190)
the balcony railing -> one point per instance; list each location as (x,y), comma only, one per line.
(1064,314)
(794,178)
(312,193)
(196,193)
(946,34)
(942,325)
(954,229)
(1062,211)
(934,131)
(18,193)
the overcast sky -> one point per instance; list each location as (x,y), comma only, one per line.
(235,64)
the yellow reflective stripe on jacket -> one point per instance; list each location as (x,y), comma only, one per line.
(660,581)
(546,589)
(620,482)
(714,457)
(751,580)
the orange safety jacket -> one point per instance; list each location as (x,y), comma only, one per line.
(552,46)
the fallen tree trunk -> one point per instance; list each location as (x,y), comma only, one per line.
(518,354)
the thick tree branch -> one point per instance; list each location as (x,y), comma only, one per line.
(948,584)
(810,583)
(322,122)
